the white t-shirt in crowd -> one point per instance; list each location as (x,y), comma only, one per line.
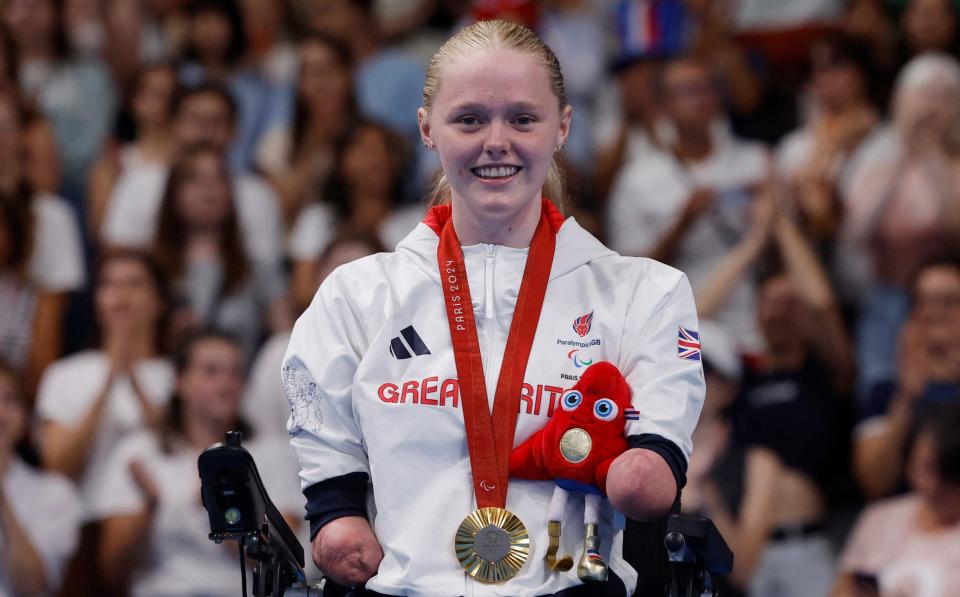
(181,559)
(887,544)
(315,228)
(650,194)
(134,210)
(134,203)
(48,508)
(56,263)
(70,387)
(265,405)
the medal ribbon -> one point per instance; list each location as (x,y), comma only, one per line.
(490,439)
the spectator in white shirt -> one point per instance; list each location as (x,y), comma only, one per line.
(155,530)
(688,205)
(89,401)
(203,114)
(39,511)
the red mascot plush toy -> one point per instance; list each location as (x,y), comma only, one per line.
(575,449)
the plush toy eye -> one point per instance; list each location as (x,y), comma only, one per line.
(571,400)
(605,409)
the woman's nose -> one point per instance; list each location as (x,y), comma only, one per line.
(497,142)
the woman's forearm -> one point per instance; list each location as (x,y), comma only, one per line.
(878,458)
(123,545)
(67,449)
(20,557)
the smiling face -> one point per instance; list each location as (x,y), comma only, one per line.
(496,123)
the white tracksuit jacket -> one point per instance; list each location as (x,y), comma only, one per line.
(370,376)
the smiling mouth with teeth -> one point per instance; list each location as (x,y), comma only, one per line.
(495,171)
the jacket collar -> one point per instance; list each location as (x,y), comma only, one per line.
(575,246)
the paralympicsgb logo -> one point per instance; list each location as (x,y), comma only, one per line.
(582,324)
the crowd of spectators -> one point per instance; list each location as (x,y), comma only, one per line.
(178,176)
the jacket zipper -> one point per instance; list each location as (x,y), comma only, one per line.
(488,280)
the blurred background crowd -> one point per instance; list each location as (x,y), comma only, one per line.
(178,176)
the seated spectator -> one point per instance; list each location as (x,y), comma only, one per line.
(626,135)
(929,373)
(43,163)
(902,205)
(89,401)
(139,33)
(74,92)
(55,263)
(785,419)
(815,159)
(265,405)
(687,205)
(155,529)
(142,162)
(910,545)
(201,250)
(298,156)
(362,196)
(201,115)
(631,122)
(928,26)
(39,511)
(30,319)
(869,22)
(387,80)
(216,51)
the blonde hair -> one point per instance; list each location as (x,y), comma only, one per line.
(503,35)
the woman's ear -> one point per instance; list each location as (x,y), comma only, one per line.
(423,122)
(566,115)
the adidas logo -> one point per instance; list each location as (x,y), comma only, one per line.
(414,344)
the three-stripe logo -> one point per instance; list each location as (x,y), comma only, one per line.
(410,343)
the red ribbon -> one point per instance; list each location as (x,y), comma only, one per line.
(490,439)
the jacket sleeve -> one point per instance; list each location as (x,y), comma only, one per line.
(318,372)
(668,390)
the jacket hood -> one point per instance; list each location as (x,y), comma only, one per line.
(575,247)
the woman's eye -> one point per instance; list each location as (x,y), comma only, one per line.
(605,409)
(571,400)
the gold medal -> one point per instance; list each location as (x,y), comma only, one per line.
(492,544)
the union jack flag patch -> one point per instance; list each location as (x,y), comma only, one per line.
(688,344)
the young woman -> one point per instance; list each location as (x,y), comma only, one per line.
(910,545)
(216,50)
(155,530)
(902,205)
(200,247)
(298,156)
(362,196)
(56,259)
(39,511)
(91,400)
(30,319)
(375,374)
(76,94)
(140,165)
